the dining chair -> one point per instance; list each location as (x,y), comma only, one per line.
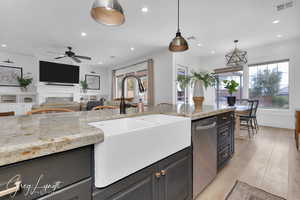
(48,110)
(247,120)
(6,114)
(254,117)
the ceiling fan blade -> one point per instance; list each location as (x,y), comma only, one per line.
(83,57)
(60,57)
(76,59)
(53,52)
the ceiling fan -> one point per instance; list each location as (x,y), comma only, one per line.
(73,56)
(8,61)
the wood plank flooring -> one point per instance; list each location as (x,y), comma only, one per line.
(269,161)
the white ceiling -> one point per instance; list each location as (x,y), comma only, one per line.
(40,26)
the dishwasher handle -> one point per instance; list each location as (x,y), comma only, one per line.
(200,128)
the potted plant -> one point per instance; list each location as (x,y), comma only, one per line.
(84,86)
(231,87)
(199,81)
(24,83)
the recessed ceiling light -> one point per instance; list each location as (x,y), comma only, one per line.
(132,48)
(199,45)
(3,45)
(100,62)
(83,34)
(213,52)
(279,36)
(144,9)
(276,21)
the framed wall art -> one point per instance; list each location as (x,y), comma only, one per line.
(93,82)
(9,76)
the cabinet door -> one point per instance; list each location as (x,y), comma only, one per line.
(45,175)
(176,177)
(142,185)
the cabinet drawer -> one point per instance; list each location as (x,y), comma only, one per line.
(47,174)
(78,191)
(225,118)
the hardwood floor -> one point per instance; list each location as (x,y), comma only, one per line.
(269,161)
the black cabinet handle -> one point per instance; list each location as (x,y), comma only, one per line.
(199,128)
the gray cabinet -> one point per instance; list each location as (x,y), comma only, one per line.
(169,179)
(141,185)
(226,145)
(176,177)
(50,174)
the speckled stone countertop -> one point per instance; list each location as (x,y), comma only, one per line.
(27,137)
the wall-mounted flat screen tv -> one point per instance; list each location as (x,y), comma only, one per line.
(58,73)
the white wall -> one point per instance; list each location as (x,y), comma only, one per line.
(288,49)
(27,62)
(30,64)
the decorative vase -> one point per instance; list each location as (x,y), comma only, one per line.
(84,90)
(24,89)
(198,95)
(231,100)
(198,102)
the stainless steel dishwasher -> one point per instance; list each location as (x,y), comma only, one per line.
(204,138)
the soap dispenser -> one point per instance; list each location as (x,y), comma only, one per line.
(140,106)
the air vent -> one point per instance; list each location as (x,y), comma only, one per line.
(284,5)
(191,38)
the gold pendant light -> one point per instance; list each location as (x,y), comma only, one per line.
(108,12)
(178,44)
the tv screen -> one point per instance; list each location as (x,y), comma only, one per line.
(58,73)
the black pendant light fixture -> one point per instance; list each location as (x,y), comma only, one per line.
(108,12)
(237,57)
(178,44)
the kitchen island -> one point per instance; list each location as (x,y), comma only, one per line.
(63,144)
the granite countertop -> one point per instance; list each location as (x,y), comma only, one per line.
(27,137)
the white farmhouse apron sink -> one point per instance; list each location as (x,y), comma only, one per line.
(131,144)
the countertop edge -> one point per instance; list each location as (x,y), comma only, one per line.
(36,150)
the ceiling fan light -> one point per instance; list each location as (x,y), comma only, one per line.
(108,12)
(178,44)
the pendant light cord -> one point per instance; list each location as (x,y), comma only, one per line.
(178,29)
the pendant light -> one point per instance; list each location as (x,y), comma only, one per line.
(237,57)
(178,44)
(108,12)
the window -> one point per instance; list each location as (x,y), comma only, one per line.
(118,86)
(269,83)
(181,93)
(131,85)
(222,92)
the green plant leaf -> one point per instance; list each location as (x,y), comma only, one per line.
(231,86)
